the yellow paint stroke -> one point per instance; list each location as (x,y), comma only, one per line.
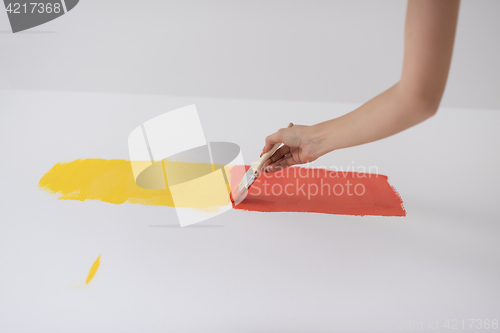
(112,181)
(93,269)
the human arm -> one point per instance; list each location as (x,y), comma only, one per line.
(429,37)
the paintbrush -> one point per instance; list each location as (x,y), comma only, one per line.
(241,190)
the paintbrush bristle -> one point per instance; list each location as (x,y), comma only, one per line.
(242,189)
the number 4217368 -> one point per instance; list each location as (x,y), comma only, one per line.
(33,8)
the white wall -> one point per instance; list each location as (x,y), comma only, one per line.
(341,51)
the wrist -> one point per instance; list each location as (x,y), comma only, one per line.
(319,138)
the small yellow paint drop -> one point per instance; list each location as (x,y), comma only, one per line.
(93,269)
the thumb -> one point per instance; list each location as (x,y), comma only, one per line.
(288,136)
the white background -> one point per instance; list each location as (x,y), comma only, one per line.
(337,51)
(244,271)
(77,86)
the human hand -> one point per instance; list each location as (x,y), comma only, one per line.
(301,144)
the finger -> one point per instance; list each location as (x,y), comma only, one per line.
(281,164)
(288,136)
(287,151)
(282,151)
(270,162)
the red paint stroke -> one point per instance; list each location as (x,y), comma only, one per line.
(312,190)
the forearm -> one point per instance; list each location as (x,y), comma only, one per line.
(429,38)
(388,113)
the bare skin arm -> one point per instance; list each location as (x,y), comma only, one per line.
(429,36)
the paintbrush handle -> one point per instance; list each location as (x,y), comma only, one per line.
(258,165)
